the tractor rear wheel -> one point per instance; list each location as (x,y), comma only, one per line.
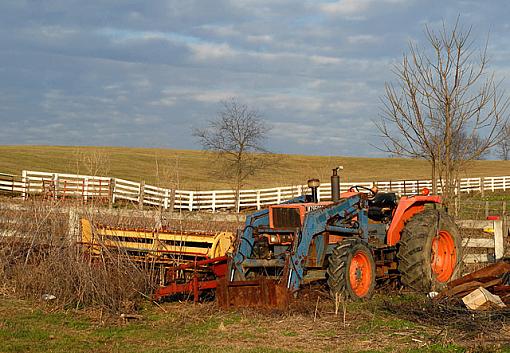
(351,271)
(429,251)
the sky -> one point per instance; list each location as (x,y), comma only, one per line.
(145,73)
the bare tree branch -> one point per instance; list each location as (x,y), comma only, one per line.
(237,135)
(444,108)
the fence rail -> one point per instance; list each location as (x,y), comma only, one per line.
(494,243)
(86,187)
(482,240)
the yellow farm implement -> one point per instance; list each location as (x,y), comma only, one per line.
(163,246)
(187,262)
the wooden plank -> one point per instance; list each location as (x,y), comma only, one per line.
(499,249)
(478,243)
(461,288)
(474,224)
(494,270)
(476,258)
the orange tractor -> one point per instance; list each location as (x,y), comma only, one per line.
(362,236)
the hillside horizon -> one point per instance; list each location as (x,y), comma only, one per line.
(195,169)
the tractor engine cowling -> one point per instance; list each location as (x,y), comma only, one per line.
(291,215)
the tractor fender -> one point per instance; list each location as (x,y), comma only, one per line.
(407,207)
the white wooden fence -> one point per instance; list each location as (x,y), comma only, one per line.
(86,187)
(479,247)
(494,242)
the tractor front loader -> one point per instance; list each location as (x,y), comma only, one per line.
(358,238)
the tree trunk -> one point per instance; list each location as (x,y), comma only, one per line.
(434,178)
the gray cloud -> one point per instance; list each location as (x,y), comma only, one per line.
(143,74)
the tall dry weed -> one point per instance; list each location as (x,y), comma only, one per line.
(38,257)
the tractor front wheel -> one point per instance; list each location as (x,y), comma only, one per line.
(430,251)
(351,271)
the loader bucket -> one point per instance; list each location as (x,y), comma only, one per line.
(259,293)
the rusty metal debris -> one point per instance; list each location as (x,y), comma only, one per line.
(493,279)
(261,293)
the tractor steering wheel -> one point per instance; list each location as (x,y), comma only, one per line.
(371,193)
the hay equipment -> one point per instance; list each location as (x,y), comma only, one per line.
(187,262)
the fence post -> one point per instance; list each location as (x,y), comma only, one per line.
(141,194)
(482,186)
(74,226)
(111,190)
(172,200)
(190,204)
(213,203)
(55,185)
(279,195)
(165,200)
(85,189)
(258,200)
(499,249)
(24,184)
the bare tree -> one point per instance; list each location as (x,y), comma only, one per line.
(445,108)
(95,162)
(237,136)
(503,148)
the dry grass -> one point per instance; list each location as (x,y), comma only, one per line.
(194,169)
(38,255)
(38,258)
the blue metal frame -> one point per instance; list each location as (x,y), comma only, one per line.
(246,240)
(316,222)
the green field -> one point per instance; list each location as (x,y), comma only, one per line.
(196,169)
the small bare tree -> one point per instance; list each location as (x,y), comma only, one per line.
(503,148)
(444,108)
(237,136)
(95,162)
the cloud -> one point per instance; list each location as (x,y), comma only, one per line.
(324,60)
(363,39)
(207,51)
(352,8)
(214,96)
(264,38)
(118,73)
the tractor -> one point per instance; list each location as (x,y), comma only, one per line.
(359,238)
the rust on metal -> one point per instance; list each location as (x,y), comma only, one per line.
(261,293)
(494,270)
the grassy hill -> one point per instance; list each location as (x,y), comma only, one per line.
(196,169)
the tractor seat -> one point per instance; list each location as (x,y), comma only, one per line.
(381,207)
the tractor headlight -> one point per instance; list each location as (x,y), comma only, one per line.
(273,238)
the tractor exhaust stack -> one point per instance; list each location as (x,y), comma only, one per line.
(335,185)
